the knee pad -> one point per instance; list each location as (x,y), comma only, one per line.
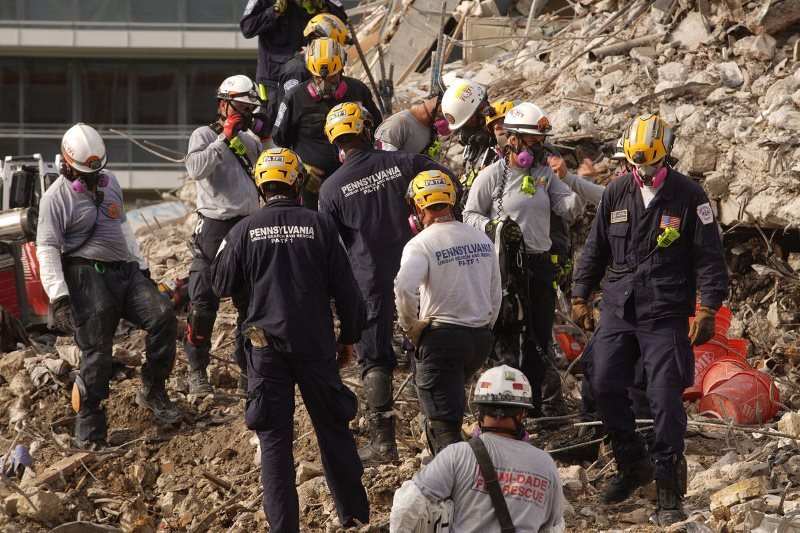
(199,326)
(378,389)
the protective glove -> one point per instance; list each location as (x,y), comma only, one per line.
(702,329)
(313,180)
(512,233)
(279,7)
(587,168)
(344,353)
(558,165)
(232,125)
(62,315)
(414,333)
(581,313)
(312,7)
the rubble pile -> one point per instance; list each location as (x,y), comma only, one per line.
(725,74)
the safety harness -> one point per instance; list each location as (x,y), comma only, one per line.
(492,485)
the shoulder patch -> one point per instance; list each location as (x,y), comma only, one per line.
(705,213)
(619,216)
(289,85)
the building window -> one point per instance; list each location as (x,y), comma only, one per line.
(155,10)
(102,10)
(9,91)
(155,94)
(48,10)
(48,92)
(104,93)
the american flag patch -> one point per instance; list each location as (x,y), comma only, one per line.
(668,221)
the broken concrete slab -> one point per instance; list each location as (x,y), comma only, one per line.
(307,470)
(43,506)
(756,47)
(739,492)
(691,32)
(60,470)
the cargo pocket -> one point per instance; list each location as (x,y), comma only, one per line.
(617,239)
(256,408)
(668,293)
(345,401)
(684,360)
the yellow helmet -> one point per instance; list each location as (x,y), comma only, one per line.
(279,165)
(431,187)
(324,57)
(647,140)
(326,25)
(347,117)
(498,110)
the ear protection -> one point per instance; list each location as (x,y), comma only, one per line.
(338,94)
(658,179)
(413,219)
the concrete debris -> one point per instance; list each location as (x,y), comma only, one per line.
(761,47)
(573,478)
(739,492)
(692,32)
(307,470)
(44,506)
(790,424)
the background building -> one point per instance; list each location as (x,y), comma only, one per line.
(148,68)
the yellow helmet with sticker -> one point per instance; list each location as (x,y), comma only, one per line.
(326,25)
(498,110)
(347,117)
(647,140)
(324,56)
(279,165)
(431,187)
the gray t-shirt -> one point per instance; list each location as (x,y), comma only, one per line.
(530,211)
(224,190)
(527,475)
(402,131)
(66,218)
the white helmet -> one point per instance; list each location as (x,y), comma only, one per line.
(83,149)
(239,88)
(527,118)
(619,153)
(503,385)
(461,101)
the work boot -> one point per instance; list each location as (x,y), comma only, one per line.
(198,384)
(381,448)
(669,508)
(628,478)
(578,443)
(153,396)
(91,445)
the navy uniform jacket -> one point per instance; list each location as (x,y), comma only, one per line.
(279,38)
(292,262)
(623,233)
(300,124)
(293,73)
(366,198)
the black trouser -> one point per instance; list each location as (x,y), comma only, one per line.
(636,392)
(536,339)
(270,412)
(375,347)
(448,356)
(208,235)
(100,295)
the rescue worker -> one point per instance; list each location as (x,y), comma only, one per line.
(366,198)
(465,105)
(291,262)
(655,240)
(279,26)
(522,188)
(416,129)
(301,119)
(94,274)
(294,71)
(452,331)
(526,477)
(220,156)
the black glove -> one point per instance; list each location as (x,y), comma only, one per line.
(512,233)
(62,315)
